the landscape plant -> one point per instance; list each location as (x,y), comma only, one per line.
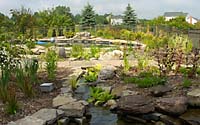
(92,73)
(95,51)
(77,51)
(73,82)
(5,77)
(24,81)
(12,105)
(51,63)
(98,96)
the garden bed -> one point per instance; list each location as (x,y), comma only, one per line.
(41,100)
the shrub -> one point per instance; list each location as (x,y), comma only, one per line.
(51,63)
(77,51)
(95,51)
(30,44)
(98,96)
(69,34)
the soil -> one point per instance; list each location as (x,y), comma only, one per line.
(41,100)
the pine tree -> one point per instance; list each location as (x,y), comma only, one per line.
(88,16)
(129,18)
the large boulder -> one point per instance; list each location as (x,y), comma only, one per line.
(160,90)
(172,105)
(135,104)
(194,97)
(62,99)
(114,55)
(107,73)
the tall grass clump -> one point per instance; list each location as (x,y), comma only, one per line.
(95,51)
(51,63)
(23,81)
(5,77)
(77,51)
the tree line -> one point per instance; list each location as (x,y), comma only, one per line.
(23,20)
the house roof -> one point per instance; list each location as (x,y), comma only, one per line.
(174,14)
(117,17)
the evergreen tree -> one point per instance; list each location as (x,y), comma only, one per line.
(129,18)
(88,16)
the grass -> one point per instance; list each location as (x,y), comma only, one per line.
(187,83)
(145,80)
(73,82)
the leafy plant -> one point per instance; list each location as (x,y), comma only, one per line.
(73,82)
(30,44)
(92,73)
(51,63)
(98,96)
(23,81)
(12,105)
(77,50)
(95,51)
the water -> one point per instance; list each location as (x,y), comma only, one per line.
(100,115)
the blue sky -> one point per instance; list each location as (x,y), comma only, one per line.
(144,8)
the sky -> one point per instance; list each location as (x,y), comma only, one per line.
(146,9)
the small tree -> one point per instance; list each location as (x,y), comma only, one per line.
(129,18)
(88,16)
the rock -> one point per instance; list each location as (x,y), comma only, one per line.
(152,116)
(194,97)
(48,115)
(192,116)
(82,35)
(128,92)
(61,52)
(172,106)
(64,121)
(170,120)
(46,87)
(135,119)
(111,103)
(80,121)
(74,109)
(38,50)
(114,55)
(160,90)
(61,100)
(107,73)
(29,120)
(105,88)
(135,104)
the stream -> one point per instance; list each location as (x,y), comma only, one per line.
(100,115)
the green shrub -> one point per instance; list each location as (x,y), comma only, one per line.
(77,51)
(98,96)
(51,63)
(69,34)
(30,44)
(95,51)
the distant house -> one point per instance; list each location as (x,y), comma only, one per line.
(171,15)
(116,20)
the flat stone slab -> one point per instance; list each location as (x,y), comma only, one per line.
(74,109)
(48,115)
(29,120)
(194,93)
(62,100)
